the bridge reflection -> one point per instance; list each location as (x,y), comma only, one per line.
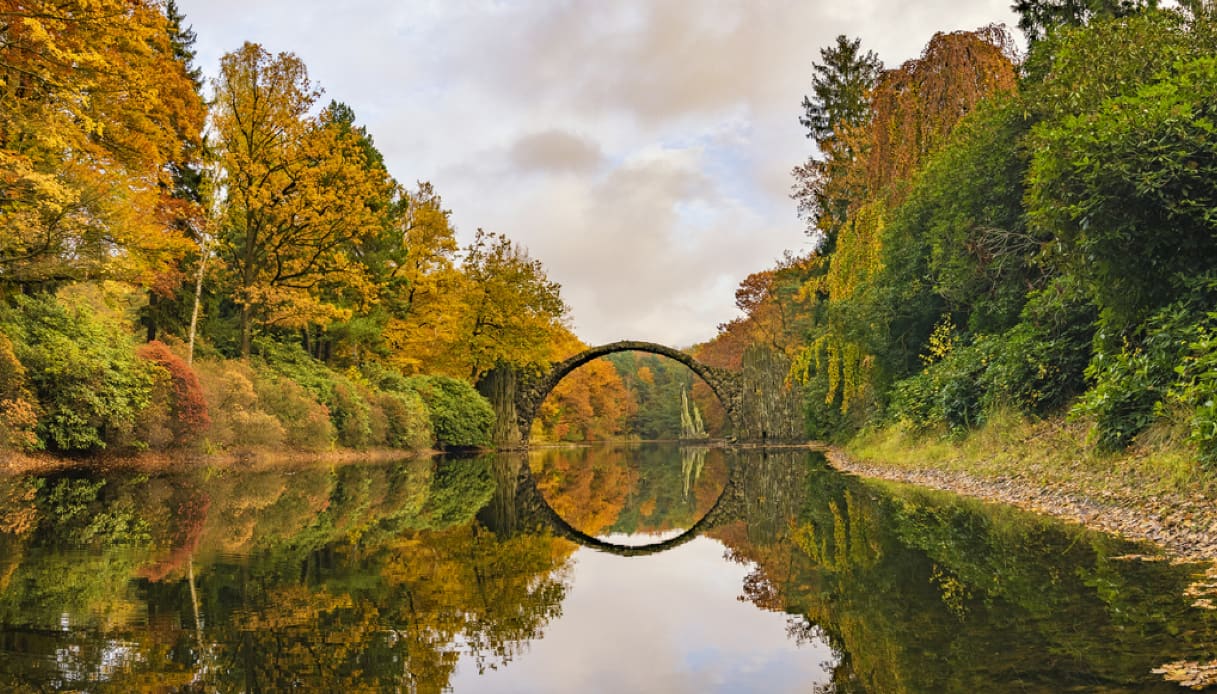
(757,483)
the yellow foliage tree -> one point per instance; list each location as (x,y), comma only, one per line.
(94,106)
(299,193)
(590,404)
(510,312)
(421,325)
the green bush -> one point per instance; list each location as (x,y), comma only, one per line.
(1039,364)
(290,360)
(1128,386)
(1195,389)
(90,387)
(406,420)
(460,416)
(351,414)
(946,393)
(306,422)
(349,409)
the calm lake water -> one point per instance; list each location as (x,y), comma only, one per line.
(645,568)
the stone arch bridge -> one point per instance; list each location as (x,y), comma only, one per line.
(530,389)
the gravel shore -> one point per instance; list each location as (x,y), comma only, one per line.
(1186,527)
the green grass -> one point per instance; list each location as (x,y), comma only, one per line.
(1051,452)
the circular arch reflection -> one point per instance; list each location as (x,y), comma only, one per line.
(530,493)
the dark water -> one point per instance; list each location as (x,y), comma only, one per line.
(640,569)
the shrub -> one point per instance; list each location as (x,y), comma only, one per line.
(306,422)
(18,407)
(1129,385)
(351,414)
(1039,364)
(460,416)
(238,420)
(187,405)
(89,384)
(290,360)
(154,424)
(348,408)
(1196,390)
(947,392)
(406,419)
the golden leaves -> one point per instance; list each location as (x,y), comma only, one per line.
(93,104)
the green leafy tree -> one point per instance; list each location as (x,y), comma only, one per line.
(89,385)
(1123,181)
(1040,18)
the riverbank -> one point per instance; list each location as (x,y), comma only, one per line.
(1155,491)
(156,462)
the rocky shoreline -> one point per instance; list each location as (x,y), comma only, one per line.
(1185,527)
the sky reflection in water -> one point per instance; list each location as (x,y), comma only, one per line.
(671,622)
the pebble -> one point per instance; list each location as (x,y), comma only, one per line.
(1184,526)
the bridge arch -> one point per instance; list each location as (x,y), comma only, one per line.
(529,395)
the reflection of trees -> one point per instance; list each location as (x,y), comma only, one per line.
(588,489)
(647,489)
(361,578)
(919,591)
(383,577)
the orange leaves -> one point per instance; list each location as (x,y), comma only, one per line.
(591,404)
(93,106)
(917,105)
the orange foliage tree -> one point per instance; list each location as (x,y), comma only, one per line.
(94,106)
(590,404)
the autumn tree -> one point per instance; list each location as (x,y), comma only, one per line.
(182,206)
(913,110)
(421,281)
(94,105)
(510,310)
(591,403)
(299,192)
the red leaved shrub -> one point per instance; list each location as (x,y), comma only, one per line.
(188,406)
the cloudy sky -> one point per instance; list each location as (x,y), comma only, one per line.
(640,148)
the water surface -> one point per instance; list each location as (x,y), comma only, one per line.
(601,569)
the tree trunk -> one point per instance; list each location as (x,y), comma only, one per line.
(246,332)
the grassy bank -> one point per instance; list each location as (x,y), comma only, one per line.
(1155,490)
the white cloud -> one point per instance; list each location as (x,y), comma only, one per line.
(641,149)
